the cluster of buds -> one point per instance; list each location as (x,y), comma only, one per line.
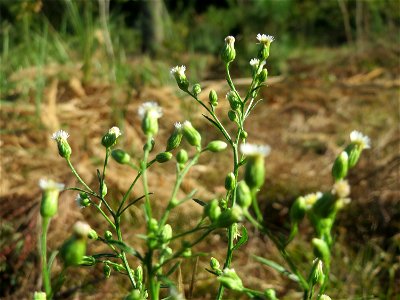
(231,280)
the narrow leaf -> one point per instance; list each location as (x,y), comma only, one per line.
(198,201)
(243,239)
(277,267)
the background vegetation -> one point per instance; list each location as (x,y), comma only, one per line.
(88,64)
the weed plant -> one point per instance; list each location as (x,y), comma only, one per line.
(149,271)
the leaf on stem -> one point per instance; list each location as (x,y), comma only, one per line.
(124,247)
(199,202)
(277,267)
(243,239)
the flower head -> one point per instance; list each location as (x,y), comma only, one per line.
(82,229)
(178,70)
(310,199)
(178,126)
(230,40)
(360,139)
(265,39)
(48,184)
(115,130)
(341,188)
(150,108)
(254,62)
(60,135)
(255,150)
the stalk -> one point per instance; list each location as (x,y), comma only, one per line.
(43,249)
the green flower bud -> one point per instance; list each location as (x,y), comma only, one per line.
(149,146)
(110,138)
(216,146)
(231,280)
(93,235)
(270,294)
(163,157)
(120,156)
(73,250)
(233,116)
(243,135)
(212,210)
(228,53)
(191,134)
(325,297)
(213,98)
(340,166)
(82,200)
(255,172)
(321,250)
(214,264)
(134,295)
(104,189)
(229,217)
(182,156)
(233,99)
(106,271)
(153,225)
(88,261)
(230,181)
(108,235)
(265,42)
(176,137)
(64,149)
(262,76)
(179,73)
(50,193)
(166,233)
(187,253)
(39,296)
(317,275)
(298,210)
(150,112)
(196,89)
(243,195)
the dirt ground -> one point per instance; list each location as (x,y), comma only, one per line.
(306,118)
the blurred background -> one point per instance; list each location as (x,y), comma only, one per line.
(85,66)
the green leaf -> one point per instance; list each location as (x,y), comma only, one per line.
(53,255)
(243,239)
(124,247)
(198,201)
(277,267)
(173,269)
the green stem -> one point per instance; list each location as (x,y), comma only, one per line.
(77,175)
(147,204)
(255,205)
(123,256)
(43,250)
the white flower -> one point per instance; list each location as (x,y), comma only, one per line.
(115,130)
(82,229)
(341,188)
(81,202)
(178,70)
(362,140)
(46,185)
(151,108)
(310,199)
(254,62)
(255,150)
(230,40)
(60,135)
(178,126)
(265,39)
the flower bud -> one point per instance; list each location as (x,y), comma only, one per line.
(163,157)
(216,146)
(149,146)
(233,99)
(39,296)
(179,73)
(262,76)
(104,189)
(134,295)
(231,280)
(270,294)
(182,156)
(120,156)
(73,250)
(92,234)
(325,297)
(298,210)
(191,134)
(265,43)
(341,189)
(175,138)
(64,149)
(196,89)
(110,138)
(153,225)
(230,181)
(213,98)
(108,235)
(150,112)
(212,210)
(232,116)
(228,53)
(106,271)
(82,200)
(88,261)
(50,193)
(166,233)
(230,216)
(317,275)
(321,250)
(243,135)
(340,166)
(255,172)
(214,264)
(138,273)
(187,253)
(243,195)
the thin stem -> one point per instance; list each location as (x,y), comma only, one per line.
(127,194)
(77,175)
(43,249)
(147,203)
(255,205)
